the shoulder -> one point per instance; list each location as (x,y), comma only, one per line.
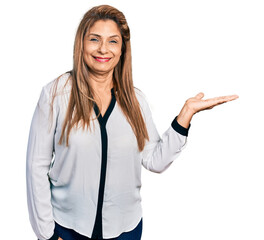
(61,84)
(143,101)
(141,97)
(58,86)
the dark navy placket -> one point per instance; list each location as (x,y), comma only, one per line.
(98,225)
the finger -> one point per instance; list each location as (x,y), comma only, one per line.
(226,98)
(199,95)
(219,100)
(233,97)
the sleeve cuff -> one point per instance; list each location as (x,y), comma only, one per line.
(55,236)
(180,129)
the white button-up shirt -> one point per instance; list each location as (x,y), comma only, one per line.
(93,185)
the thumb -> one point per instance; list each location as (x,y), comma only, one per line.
(199,95)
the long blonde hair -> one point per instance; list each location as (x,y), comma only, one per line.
(81,99)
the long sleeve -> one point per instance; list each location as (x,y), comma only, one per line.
(38,160)
(160,152)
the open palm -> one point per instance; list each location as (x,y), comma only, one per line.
(197,104)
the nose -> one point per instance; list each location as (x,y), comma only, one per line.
(103,48)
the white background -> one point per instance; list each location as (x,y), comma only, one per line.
(179,48)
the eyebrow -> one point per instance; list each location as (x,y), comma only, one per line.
(97,35)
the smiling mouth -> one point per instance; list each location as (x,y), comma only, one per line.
(101,59)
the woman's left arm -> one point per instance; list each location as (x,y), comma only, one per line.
(160,152)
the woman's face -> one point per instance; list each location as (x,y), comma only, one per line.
(102,46)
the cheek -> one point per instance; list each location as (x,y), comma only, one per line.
(118,52)
(87,54)
(86,57)
(88,49)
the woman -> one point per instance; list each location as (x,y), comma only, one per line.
(90,133)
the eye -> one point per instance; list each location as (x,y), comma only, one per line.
(94,40)
(113,41)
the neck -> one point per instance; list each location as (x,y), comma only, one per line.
(101,83)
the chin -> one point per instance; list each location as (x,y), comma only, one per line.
(101,70)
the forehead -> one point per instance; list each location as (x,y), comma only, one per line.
(105,28)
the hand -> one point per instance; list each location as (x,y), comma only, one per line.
(196,104)
(60,238)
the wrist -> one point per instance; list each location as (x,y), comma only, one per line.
(185,116)
(179,128)
(188,110)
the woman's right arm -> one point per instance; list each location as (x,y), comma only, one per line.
(38,160)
